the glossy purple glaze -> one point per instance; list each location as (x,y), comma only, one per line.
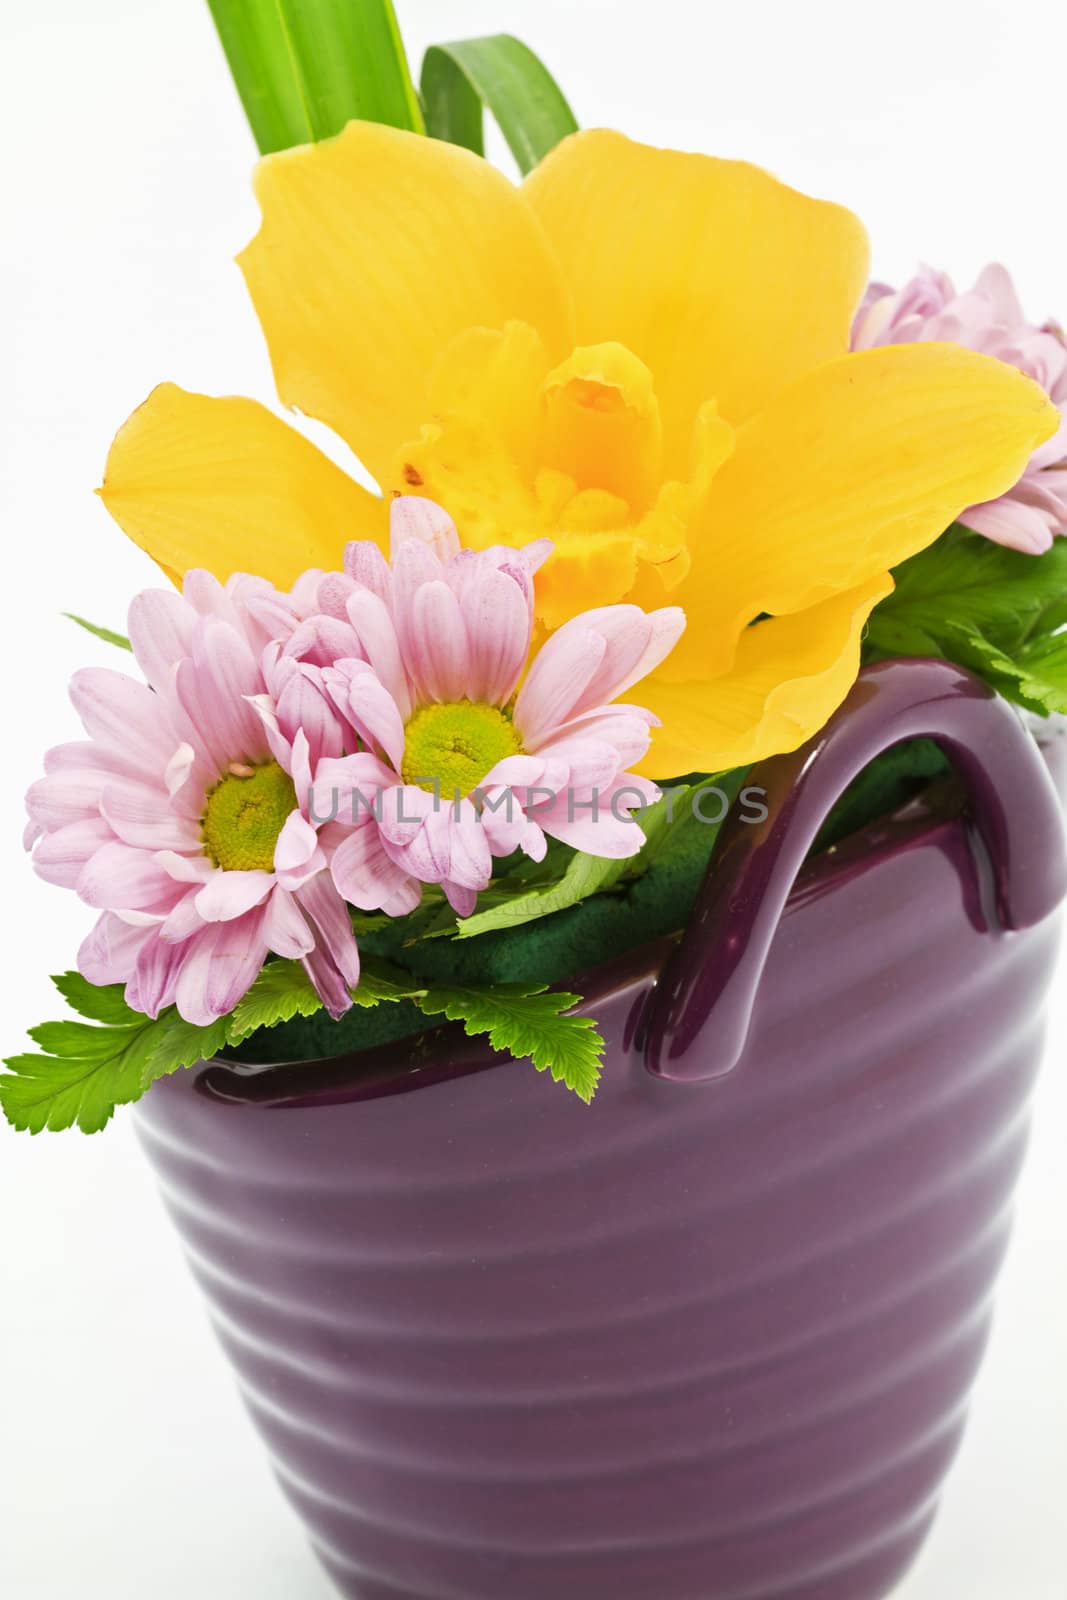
(703,1341)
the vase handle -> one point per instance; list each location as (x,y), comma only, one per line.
(711,980)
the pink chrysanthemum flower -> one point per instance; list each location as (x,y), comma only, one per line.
(988,319)
(185,817)
(456,766)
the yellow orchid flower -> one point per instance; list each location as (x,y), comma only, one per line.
(640,352)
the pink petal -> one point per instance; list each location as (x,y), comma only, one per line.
(61,798)
(285,929)
(213,685)
(334,592)
(364,874)
(305,704)
(155,977)
(377,640)
(280,747)
(498,621)
(347,791)
(160,626)
(321,640)
(412,519)
(367,704)
(300,766)
(557,679)
(1010,523)
(60,856)
(219,966)
(109,953)
(327,981)
(297,856)
(187,779)
(181,923)
(436,653)
(230,894)
(123,714)
(83,755)
(141,815)
(320,901)
(504,819)
(606,831)
(193,868)
(463,901)
(403,810)
(634,644)
(365,565)
(121,878)
(626,728)
(470,859)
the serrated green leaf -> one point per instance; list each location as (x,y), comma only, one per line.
(586,875)
(304,68)
(282,991)
(378,982)
(55,1092)
(1044,661)
(527,1022)
(969,582)
(172,1043)
(107,634)
(503,75)
(99,1004)
(990,609)
(86,1069)
(80,1040)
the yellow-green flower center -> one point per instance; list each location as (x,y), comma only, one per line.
(246,811)
(450,748)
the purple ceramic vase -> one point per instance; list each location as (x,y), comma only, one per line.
(713,1338)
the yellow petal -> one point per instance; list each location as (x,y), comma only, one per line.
(602,424)
(377,248)
(585,570)
(497,376)
(789,675)
(467,468)
(723,281)
(852,469)
(223,484)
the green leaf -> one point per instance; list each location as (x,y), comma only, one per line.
(1035,677)
(583,875)
(1045,662)
(522,1020)
(106,1004)
(990,609)
(170,1043)
(108,636)
(526,1021)
(378,981)
(85,1070)
(282,991)
(304,68)
(504,76)
(968,581)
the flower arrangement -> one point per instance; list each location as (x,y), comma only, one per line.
(650,489)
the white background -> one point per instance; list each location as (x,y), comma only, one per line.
(126,1465)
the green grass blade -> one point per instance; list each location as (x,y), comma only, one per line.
(303,68)
(504,76)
